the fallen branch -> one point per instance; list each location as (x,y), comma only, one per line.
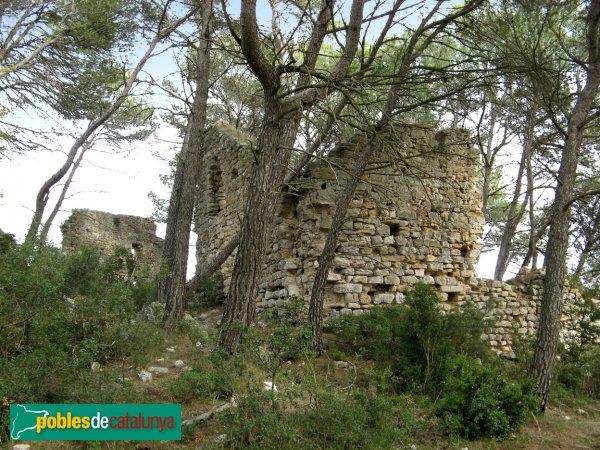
(207,415)
(536,421)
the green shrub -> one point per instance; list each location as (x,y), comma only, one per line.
(331,421)
(579,370)
(415,340)
(357,421)
(578,367)
(203,384)
(144,291)
(59,314)
(7,241)
(208,295)
(483,401)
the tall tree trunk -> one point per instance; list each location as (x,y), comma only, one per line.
(532,244)
(592,236)
(558,239)
(183,196)
(280,126)
(266,179)
(63,193)
(413,50)
(517,208)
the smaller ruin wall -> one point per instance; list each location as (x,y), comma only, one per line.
(106,232)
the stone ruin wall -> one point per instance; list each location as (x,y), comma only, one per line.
(416,217)
(514,306)
(223,184)
(106,232)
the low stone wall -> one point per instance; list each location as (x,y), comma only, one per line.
(514,307)
(106,232)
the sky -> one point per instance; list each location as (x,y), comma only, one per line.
(114,181)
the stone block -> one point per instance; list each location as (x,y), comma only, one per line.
(448,288)
(331,276)
(347,288)
(393,280)
(383,298)
(375,280)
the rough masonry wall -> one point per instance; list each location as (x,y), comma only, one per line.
(514,308)
(415,217)
(106,232)
(222,187)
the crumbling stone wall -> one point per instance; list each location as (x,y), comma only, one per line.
(106,232)
(223,185)
(514,308)
(416,217)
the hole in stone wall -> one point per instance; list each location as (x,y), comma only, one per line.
(394,229)
(324,186)
(116,221)
(289,204)
(136,247)
(234,174)
(464,251)
(452,297)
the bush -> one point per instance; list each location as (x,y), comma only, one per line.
(415,340)
(204,384)
(7,241)
(209,294)
(579,370)
(331,421)
(482,401)
(61,313)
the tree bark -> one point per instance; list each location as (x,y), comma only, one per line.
(281,121)
(414,50)
(532,243)
(558,239)
(183,195)
(63,193)
(315,309)
(266,179)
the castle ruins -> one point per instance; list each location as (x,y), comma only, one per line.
(107,232)
(416,217)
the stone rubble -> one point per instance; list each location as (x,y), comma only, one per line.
(145,376)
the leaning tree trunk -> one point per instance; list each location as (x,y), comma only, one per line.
(266,179)
(558,239)
(315,310)
(63,194)
(411,53)
(43,194)
(592,237)
(172,285)
(516,209)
